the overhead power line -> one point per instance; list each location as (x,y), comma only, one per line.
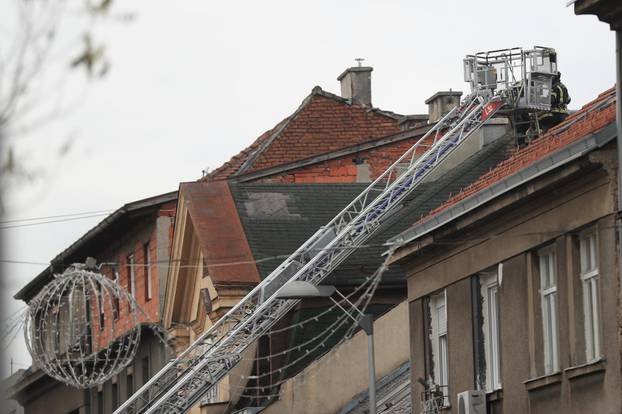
(55,217)
(12,226)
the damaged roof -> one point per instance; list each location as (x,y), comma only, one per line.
(268,212)
(219,232)
(594,120)
(324,122)
(258,224)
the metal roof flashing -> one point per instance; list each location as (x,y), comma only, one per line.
(555,160)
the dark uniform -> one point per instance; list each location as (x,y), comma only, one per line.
(559,106)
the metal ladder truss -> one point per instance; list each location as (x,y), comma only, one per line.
(182,382)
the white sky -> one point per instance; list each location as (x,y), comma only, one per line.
(193,82)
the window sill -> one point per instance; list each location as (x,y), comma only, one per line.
(543,381)
(586,369)
(496,395)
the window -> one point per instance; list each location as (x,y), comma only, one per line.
(489,296)
(548,299)
(440,357)
(115,303)
(589,280)
(100,303)
(130,384)
(145,369)
(115,394)
(100,402)
(147,256)
(132,275)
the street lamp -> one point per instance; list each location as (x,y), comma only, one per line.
(301,290)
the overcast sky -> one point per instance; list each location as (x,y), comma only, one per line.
(193,82)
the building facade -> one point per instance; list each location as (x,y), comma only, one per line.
(514,285)
(133,245)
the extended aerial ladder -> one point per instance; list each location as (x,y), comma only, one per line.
(184,380)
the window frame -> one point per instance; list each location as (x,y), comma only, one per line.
(491,330)
(129,384)
(145,369)
(547,273)
(100,401)
(101,306)
(590,290)
(440,342)
(115,394)
(116,310)
(131,274)
(147,258)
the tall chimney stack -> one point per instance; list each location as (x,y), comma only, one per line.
(441,103)
(356,84)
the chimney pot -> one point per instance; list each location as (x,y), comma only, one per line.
(356,85)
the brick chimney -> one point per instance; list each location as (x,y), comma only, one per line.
(441,103)
(356,85)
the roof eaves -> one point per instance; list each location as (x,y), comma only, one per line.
(555,160)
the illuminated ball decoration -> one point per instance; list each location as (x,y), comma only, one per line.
(82,328)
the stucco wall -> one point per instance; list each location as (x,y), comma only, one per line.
(331,382)
(541,216)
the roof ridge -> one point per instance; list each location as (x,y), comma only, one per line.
(279,129)
(245,160)
(264,140)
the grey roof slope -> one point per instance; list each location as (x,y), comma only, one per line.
(277,218)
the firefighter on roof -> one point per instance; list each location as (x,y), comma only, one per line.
(559,105)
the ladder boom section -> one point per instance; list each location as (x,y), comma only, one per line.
(183,381)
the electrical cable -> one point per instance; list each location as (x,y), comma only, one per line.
(284,256)
(13,226)
(300,324)
(365,297)
(163,263)
(343,319)
(54,217)
(299,346)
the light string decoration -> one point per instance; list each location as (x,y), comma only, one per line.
(82,328)
(316,347)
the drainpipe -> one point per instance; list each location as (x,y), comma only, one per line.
(619,110)
(619,142)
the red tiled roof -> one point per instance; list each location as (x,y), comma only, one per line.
(233,165)
(323,123)
(592,117)
(220,233)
